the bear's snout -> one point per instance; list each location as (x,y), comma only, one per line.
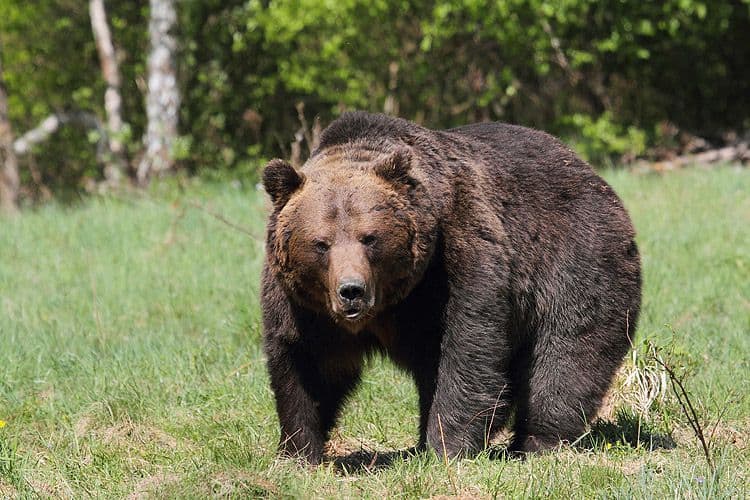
(352,298)
(351,290)
(350,284)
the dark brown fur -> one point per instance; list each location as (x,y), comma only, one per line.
(488,261)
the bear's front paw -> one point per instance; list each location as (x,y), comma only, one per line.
(307,453)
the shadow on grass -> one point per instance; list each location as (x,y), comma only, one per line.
(369,461)
(625,430)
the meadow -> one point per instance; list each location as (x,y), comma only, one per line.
(131,363)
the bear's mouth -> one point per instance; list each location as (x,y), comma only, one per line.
(352,313)
(350,304)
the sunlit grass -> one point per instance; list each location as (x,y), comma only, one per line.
(130,357)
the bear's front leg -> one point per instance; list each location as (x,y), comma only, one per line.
(302,431)
(308,398)
(309,377)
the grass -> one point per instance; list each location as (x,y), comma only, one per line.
(130,360)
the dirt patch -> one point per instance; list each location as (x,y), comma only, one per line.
(46,394)
(469,494)
(239,483)
(149,486)
(7,490)
(338,446)
(735,434)
(128,434)
(732,433)
(630,467)
(626,466)
(46,490)
(356,455)
(83,425)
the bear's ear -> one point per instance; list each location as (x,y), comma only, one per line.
(280,180)
(395,167)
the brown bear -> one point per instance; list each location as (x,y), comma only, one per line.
(488,261)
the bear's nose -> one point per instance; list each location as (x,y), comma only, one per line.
(352,289)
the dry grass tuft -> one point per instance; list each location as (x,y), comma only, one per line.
(640,383)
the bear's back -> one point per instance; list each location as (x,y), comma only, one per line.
(507,148)
(376,130)
(525,151)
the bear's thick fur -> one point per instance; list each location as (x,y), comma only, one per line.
(488,261)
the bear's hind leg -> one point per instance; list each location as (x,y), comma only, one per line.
(562,382)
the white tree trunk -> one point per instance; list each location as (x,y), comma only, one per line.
(115,161)
(9,178)
(52,124)
(163,99)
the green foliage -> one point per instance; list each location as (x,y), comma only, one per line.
(598,140)
(604,75)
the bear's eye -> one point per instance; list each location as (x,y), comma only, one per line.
(321,246)
(368,239)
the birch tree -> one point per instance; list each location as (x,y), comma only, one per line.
(9,178)
(114,165)
(163,98)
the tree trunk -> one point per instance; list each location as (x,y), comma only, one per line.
(9,178)
(114,165)
(52,124)
(163,98)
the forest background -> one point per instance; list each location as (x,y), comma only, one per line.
(96,94)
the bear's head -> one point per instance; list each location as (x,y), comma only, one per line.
(344,237)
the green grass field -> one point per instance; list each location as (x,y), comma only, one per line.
(131,366)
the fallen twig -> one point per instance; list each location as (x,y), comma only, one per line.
(224,220)
(688,408)
(683,397)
